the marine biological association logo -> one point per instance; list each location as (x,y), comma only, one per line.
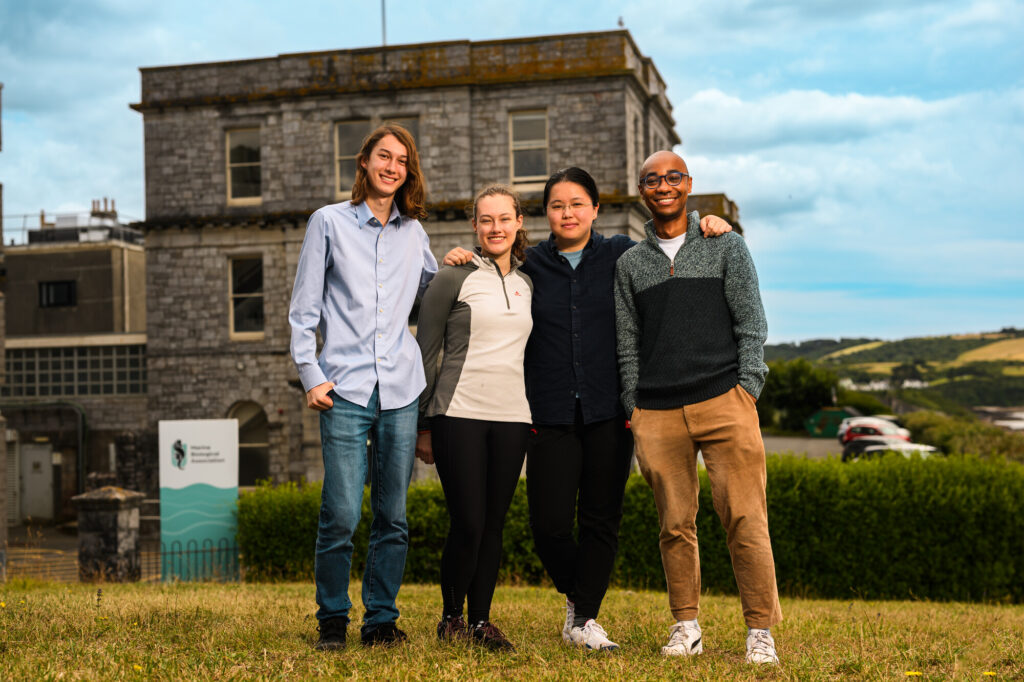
(179,454)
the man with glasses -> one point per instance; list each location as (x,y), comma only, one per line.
(691,331)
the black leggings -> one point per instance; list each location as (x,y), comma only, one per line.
(576,475)
(479,463)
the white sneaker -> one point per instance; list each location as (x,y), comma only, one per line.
(592,636)
(761,647)
(570,616)
(683,640)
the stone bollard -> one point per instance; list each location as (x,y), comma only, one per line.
(108,534)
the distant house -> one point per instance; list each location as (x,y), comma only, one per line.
(75,354)
(238,154)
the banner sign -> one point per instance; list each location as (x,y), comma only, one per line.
(198,495)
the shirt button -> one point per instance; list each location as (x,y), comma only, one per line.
(380,310)
(380,286)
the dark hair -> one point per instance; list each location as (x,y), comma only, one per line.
(412,195)
(576,175)
(521,242)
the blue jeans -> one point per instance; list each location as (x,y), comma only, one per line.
(343,431)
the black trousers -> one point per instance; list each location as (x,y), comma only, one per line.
(479,463)
(577,473)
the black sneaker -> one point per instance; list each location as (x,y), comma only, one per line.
(384,635)
(452,629)
(487,634)
(332,634)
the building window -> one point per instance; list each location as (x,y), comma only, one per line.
(246,294)
(528,144)
(243,156)
(638,143)
(348,138)
(253,443)
(410,123)
(57,294)
(74,371)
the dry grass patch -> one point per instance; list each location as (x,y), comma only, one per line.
(1008,349)
(853,349)
(265,632)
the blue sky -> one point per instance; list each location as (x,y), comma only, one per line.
(875,149)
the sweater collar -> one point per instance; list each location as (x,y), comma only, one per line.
(692,228)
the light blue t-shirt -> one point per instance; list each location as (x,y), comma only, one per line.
(574,257)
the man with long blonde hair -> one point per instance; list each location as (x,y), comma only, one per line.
(363,264)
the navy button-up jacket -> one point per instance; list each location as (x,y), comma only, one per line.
(572,347)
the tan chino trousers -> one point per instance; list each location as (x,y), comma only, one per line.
(725,430)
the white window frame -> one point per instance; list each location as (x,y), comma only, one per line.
(528,182)
(254,335)
(241,201)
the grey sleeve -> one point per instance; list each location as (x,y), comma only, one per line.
(627,336)
(749,326)
(437,303)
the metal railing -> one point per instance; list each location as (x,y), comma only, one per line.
(208,562)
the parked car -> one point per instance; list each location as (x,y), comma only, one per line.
(859,427)
(871,446)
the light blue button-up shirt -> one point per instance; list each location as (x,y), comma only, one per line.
(357,281)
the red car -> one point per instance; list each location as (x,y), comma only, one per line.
(858,427)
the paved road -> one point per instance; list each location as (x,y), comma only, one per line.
(813,448)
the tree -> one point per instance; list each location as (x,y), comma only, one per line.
(793,391)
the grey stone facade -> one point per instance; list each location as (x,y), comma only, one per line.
(605,108)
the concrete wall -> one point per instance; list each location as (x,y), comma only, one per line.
(98,271)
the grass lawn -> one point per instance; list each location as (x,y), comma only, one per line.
(240,631)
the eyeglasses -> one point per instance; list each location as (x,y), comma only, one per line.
(673,178)
(575,207)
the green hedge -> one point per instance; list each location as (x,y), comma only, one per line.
(943,528)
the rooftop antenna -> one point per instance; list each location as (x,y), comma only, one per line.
(383,24)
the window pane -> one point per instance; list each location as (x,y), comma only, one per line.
(529,128)
(410,123)
(346,174)
(529,162)
(247,275)
(245,182)
(244,146)
(351,135)
(249,314)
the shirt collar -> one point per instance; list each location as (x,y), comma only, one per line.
(364,215)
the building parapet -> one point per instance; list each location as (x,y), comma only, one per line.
(401,67)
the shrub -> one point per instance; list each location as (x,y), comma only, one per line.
(964,435)
(891,527)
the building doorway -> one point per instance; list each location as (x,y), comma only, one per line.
(253,442)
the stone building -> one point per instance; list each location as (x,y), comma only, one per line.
(75,355)
(238,154)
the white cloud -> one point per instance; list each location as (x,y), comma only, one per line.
(717,121)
